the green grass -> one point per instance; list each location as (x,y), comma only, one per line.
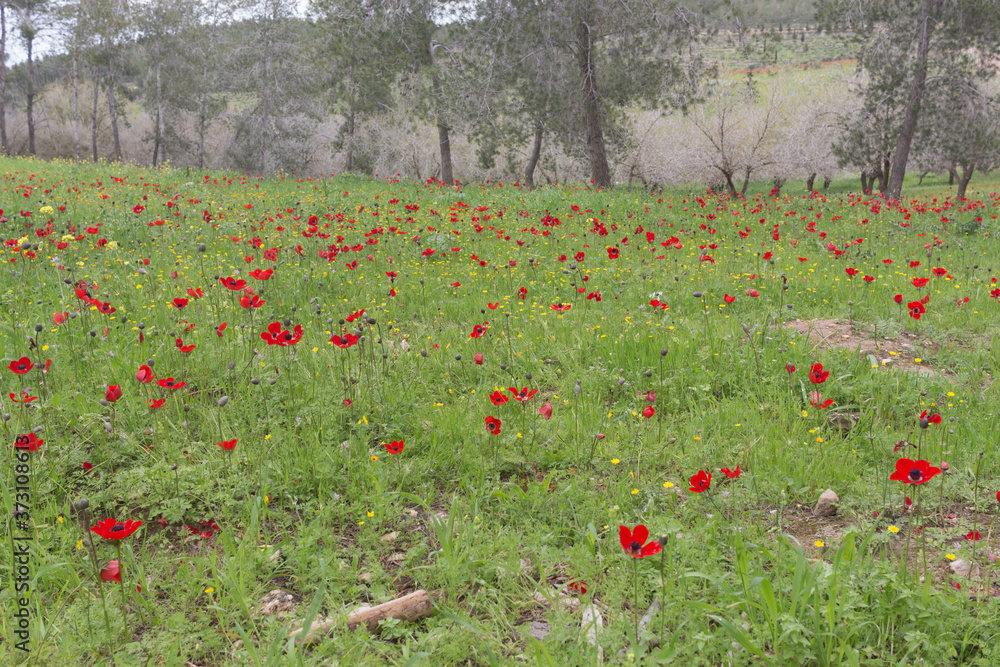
(311,502)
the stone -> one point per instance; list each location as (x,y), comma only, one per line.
(276,603)
(963,568)
(827,504)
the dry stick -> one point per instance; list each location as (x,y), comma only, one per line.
(412,607)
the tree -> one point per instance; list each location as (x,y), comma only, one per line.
(3,77)
(359,42)
(960,130)
(270,66)
(905,44)
(576,63)
(739,132)
(29,15)
(164,29)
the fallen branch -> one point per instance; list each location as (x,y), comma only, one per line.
(412,607)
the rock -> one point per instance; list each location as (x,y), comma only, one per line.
(276,603)
(827,504)
(389,537)
(963,568)
(539,630)
(592,623)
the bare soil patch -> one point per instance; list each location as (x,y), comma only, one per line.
(892,349)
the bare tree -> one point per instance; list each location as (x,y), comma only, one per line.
(739,132)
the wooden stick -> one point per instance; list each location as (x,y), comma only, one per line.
(412,607)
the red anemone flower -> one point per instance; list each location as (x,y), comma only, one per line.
(478,330)
(228,444)
(24,397)
(851,271)
(169,383)
(817,375)
(523,395)
(973,535)
(492,306)
(498,398)
(898,298)
(561,306)
(113,393)
(909,471)
(931,419)
(545,411)
(251,301)
(111,572)
(731,474)
(182,347)
(648,411)
(232,283)
(344,342)
(790,368)
(579,256)
(729,299)
(195,292)
(394,447)
(634,539)
(28,442)
(613,253)
(157,403)
(816,400)
(289,338)
(355,315)
(701,481)
(180,303)
(144,374)
(219,329)
(260,274)
(916,309)
(493,425)
(21,366)
(478,358)
(920,282)
(110,529)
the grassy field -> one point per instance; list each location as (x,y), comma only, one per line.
(626,341)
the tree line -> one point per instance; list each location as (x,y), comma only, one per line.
(251,85)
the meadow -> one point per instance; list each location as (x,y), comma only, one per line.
(349,390)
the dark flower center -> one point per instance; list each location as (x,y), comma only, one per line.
(916,475)
(118,528)
(635,547)
(21,367)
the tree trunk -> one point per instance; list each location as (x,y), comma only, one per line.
(76,107)
(883,175)
(826,182)
(111,104)
(951,177)
(30,95)
(729,182)
(160,123)
(3,80)
(156,138)
(350,141)
(778,184)
(865,183)
(444,141)
(811,181)
(536,151)
(746,181)
(928,13)
(963,180)
(600,171)
(93,117)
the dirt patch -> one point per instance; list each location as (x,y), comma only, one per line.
(889,349)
